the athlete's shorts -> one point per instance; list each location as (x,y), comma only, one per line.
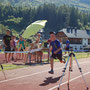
(57,56)
(67,48)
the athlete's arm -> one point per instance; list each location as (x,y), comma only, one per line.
(57,50)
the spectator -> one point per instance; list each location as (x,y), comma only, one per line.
(0,48)
(16,48)
(6,41)
(21,43)
(61,43)
(67,45)
(38,44)
(12,45)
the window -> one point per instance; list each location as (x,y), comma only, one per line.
(68,30)
(89,41)
(71,30)
(80,48)
(75,41)
(75,32)
(88,32)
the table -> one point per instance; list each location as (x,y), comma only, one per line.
(43,49)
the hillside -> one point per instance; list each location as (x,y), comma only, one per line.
(18,18)
(81,4)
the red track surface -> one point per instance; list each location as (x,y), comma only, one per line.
(38,78)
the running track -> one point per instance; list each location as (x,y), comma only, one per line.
(38,78)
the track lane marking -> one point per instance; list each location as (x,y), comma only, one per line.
(37,73)
(70,81)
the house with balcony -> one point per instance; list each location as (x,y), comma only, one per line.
(78,38)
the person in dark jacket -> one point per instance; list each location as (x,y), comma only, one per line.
(6,41)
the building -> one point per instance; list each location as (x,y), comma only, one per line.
(1,38)
(78,38)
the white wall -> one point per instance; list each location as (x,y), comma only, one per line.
(78,46)
(84,42)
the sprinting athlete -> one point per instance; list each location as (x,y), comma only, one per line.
(56,50)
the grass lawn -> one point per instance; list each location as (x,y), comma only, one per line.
(11,66)
(82,55)
(79,56)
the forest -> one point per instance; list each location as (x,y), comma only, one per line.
(58,17)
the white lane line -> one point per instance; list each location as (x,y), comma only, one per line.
(36,73)
(70,81)
(27,75)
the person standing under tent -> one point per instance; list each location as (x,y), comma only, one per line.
(38,44)
(39,40)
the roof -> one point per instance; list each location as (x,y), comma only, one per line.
(78,34)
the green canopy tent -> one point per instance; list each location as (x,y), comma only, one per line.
(33,28)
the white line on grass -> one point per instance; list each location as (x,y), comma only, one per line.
(3,81)
(70,81)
